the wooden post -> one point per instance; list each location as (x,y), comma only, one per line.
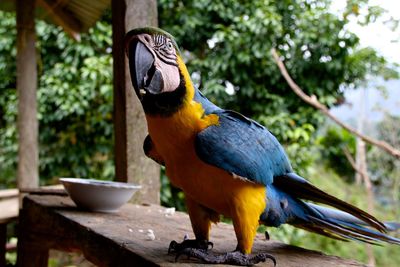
(3,242)
(31,250)
(129,123)
(28,152)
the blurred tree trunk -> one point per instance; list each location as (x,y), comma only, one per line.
(362,174)
(362,166)
(28,151)
(360,145)
(129,122)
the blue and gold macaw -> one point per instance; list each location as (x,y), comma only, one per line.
(226,163)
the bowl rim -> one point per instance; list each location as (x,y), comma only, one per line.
(99,183)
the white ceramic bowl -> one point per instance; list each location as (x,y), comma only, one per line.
(98,195)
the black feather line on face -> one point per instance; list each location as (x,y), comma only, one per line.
(165,104)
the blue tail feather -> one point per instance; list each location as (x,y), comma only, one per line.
(350,229)
(285,205)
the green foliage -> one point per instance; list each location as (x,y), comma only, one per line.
(333,142)
(8,100)
(171,196)
(357,7)
(366,60)
(76,89)
(74,102)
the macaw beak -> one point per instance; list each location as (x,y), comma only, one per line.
(144,75)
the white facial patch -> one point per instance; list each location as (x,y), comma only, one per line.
(170,74)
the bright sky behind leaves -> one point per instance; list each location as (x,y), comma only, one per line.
(380,36)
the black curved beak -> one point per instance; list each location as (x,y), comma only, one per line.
(144,75)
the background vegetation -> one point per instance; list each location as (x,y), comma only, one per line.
(226,46)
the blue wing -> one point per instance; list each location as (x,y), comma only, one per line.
(241,146)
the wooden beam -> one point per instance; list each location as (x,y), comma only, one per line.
(119,69)
(63,18)
(129,122)
(9,210)
(28,151)
(8,193)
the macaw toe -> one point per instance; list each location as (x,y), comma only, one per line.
(175,247)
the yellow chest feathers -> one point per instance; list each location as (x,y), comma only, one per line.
(174,135)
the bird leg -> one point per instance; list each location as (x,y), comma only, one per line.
(201,219)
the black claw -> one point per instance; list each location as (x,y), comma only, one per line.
(266,235)
(272,258)
(172,246)
(263,257)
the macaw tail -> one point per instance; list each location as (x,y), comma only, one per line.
(346,223)
(345,226)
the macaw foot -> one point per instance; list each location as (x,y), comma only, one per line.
(233,258)
(175,247)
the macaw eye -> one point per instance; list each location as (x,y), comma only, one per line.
(169,46)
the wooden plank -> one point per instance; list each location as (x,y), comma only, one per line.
(119,82)
(8,193)
(63,18)
(46,190)
(9,204)
(120,239)
(9,209)
(11,193)
(131,165)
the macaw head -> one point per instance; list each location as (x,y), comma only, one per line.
(158,74)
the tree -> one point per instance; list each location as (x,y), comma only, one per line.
(8,108)
(75,102)
(227,44)
(334,142)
